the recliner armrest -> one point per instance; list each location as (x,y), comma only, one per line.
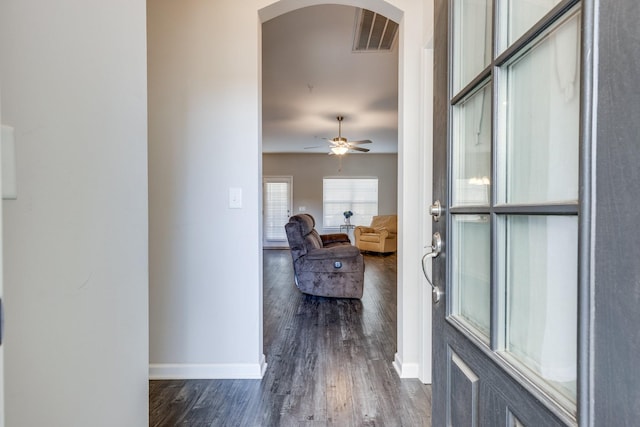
(362,229)
(382,231)
(334,252)
(329,239)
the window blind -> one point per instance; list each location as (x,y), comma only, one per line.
(276,210)
(358,195)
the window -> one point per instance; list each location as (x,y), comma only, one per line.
(358,195)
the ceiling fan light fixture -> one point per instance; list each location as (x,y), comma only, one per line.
(341,145)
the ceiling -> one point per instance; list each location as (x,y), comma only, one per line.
(310,75)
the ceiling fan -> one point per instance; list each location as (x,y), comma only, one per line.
(340,145)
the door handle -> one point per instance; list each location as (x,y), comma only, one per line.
(436,248)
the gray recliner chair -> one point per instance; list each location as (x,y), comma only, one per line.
(325,265)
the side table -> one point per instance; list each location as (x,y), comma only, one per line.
(348,228)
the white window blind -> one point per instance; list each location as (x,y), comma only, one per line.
(358,195)
(276,212)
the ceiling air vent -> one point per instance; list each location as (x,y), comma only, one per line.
(373,32)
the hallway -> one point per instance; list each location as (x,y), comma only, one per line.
(329,363)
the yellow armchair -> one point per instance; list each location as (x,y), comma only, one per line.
(381,236)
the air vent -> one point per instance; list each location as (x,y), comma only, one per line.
(373,32)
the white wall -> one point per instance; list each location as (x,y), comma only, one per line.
(204,137)
(205,258)
(75,241)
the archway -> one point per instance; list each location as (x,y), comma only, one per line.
(414,309)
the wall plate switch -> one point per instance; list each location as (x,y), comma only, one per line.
(235,198)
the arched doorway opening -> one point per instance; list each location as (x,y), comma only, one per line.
(414,311)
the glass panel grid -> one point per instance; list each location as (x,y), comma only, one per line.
(533,248)
(471,272)
(540,113)
(472,40)
(518,16)
(540,294)
(472,150)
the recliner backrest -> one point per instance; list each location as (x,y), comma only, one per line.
(301,235)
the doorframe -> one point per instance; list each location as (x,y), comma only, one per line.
(427,178)
(2,411)
(413,337)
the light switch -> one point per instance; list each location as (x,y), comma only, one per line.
(235,198)
(8,154)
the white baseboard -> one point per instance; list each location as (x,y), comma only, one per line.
(405,370)
(216,371)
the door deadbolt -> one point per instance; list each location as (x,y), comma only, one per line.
(436,210)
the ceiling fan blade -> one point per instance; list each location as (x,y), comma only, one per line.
(341,145)
(314,146)
(364,150)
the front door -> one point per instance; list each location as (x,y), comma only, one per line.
(507,151)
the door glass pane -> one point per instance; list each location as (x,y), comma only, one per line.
(542,106)
(541,297)
(519,16)
(472,149)
(471,271)
(471,40)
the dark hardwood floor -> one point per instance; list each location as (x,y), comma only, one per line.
(329,363)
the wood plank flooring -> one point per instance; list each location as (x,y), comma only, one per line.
(329,363)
